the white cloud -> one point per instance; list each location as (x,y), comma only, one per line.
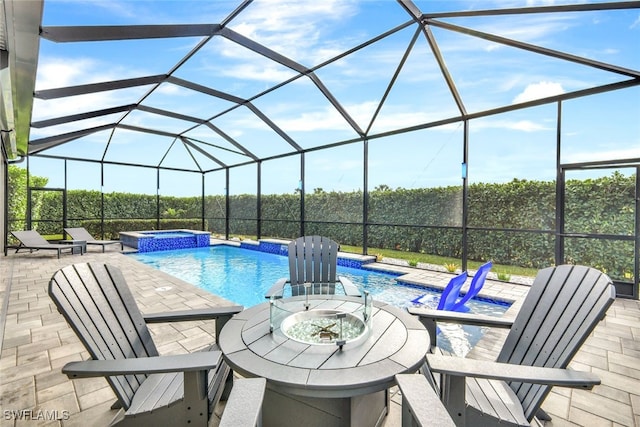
(59,72)
(539,90)
(520,125)
(293,28)
(540,3)
(324,119)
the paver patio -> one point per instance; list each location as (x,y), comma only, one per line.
(36,343)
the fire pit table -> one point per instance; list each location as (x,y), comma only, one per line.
(329,360)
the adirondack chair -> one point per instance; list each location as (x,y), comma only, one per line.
(561,309)
(152,390)
(81,233)
(450,293)
(474,288)
(313,260)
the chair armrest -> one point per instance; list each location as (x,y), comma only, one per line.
(421,405)
(221,314)
(244,406)
(188,315)
(350,289)
(460,367)
(462,318)
(273,290)
(198,361)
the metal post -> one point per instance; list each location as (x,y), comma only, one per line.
(259,199)
(302,186)
(559,240)
(365,195)
(465,195)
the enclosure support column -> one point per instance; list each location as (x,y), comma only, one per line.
(226,204)
(302,185)
(28,213)
(559,240)
(101,200)
(465,195)
(158,199)
(365,197)
(636,251)
(202,209)
(64,201)
(259,200)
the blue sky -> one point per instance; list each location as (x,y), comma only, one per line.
(519,144)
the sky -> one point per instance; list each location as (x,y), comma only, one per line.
(519,144)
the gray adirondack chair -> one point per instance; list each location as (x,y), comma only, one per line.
(80,233)
(151,389)
(562,308)
(313,260)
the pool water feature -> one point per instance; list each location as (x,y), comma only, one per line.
(163,240)
(244,276)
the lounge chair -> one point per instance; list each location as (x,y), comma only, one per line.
(561,309)
(82,234)
(474,288)
(151,389)
(313,260)
(450,293)
(32,240)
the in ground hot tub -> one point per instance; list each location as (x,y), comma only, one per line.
(163,240)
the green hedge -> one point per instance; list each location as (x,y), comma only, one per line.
(427,220)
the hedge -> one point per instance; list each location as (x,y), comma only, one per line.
(427,220)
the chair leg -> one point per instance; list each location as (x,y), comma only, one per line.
(452,393)
(196,401)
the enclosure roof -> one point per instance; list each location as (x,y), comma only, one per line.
(201,86)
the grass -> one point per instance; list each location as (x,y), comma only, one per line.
(413,257)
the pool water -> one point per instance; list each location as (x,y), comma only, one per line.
(244,276)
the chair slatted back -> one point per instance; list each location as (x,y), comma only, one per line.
(562,308)
(313,259)
(97,303)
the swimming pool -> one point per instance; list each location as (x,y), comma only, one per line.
(243,276)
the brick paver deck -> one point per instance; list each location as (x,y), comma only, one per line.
(36,343)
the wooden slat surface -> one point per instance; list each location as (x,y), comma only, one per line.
(325,370)
(98,304)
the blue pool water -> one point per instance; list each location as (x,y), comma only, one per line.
(243,276)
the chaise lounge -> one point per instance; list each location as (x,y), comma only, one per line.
(81,233)
(32,240)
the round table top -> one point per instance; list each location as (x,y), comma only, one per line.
(397,344)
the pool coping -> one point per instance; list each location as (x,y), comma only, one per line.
(406,276)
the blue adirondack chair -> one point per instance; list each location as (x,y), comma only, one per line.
(449,294)
(476,284)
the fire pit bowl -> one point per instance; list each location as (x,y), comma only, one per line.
(324,327)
